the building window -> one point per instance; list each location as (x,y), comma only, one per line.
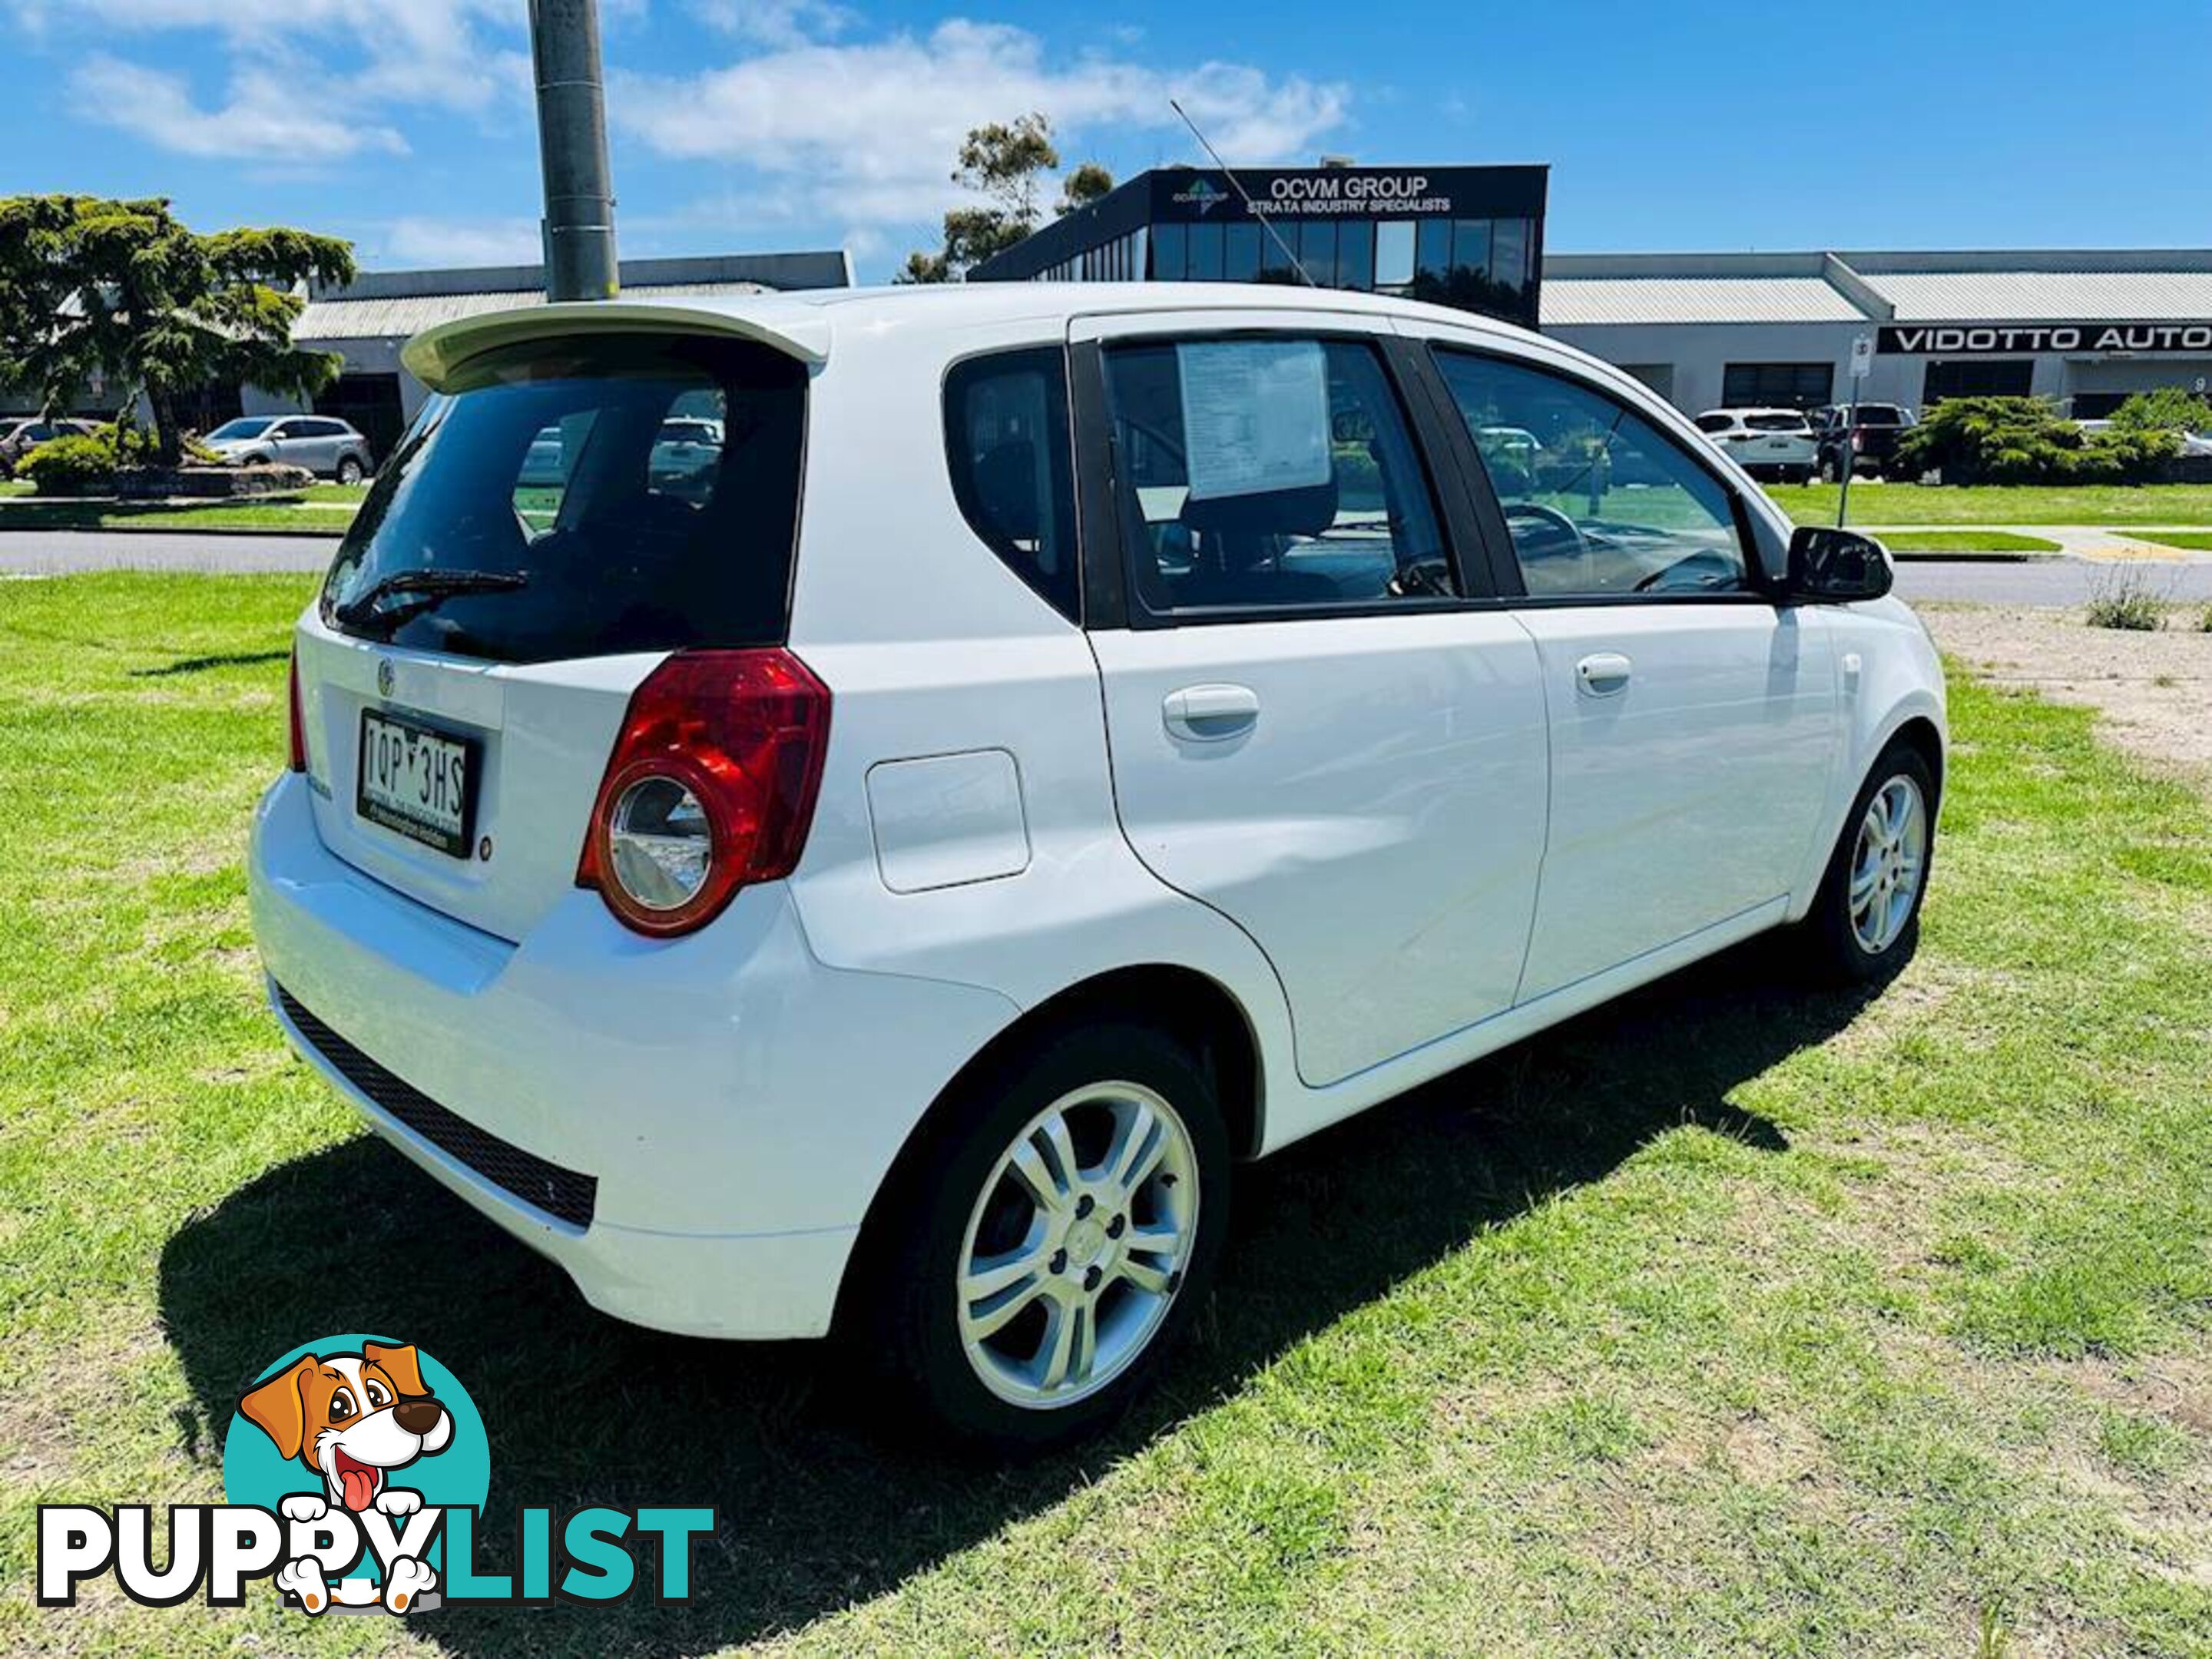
(1205,245)
(1508,254)
(1977,378)
(1475,264)
(1169,251)
(1317,251)
(1240,257)
(1355,256)
(1279,251)
(1777,386)
(1471,239)
(1434,264)
(1394,253)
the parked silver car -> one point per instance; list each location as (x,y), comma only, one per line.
(320,443)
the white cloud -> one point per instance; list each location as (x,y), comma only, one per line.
(868,131)
(265,118)
(415,240)
(312,77)
(777,22)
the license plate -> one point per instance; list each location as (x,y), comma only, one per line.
(416,782)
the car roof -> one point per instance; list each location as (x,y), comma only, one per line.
(805,324)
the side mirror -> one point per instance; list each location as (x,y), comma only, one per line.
(1838,564)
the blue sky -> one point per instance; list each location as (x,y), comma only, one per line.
(406,124)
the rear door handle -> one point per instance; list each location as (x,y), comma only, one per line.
(1209,714)
(1603,673)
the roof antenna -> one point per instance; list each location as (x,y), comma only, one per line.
(1236,184)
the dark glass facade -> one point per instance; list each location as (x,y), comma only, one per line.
(1469,237)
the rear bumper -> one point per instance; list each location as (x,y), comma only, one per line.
(728,1104)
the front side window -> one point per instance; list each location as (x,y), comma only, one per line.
(1272,473)
(585,497)
(1599,503)
(1006,441)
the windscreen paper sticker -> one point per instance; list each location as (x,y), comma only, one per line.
(1254,416)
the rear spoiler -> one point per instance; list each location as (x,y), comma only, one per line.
(433,355)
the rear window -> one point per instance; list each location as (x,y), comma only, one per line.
(1775,422)
(1881,414)
(645,489)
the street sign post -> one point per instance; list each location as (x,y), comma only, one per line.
(1861,366)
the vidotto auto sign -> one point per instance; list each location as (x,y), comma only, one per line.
(2021,340)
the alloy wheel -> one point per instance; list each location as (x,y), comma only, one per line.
(1076,1247)
(1888,862)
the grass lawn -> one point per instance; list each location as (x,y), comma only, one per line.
(1918,504)
(321,510)
(1735,1319)
(1966,541)
(2197,541)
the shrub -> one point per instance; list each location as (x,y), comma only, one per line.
(2128,604)
(2169,408)
(88,465)
(2008,441)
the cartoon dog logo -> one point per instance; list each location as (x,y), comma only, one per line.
(352,1418)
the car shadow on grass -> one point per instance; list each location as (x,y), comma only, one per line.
(819,1508)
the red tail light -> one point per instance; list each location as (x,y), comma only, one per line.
(711,786)
(1858,441)
(299,733)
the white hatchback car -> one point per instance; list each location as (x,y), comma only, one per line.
(1070,739)
(1764,442)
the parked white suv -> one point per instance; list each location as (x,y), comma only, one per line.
(1071,738)
(1775,443)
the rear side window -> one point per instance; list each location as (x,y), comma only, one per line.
(1006,446)
(1714,422)
(1269,474)
(645,489)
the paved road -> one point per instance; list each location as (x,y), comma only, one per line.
(57,552)
(2051,581)
(2034,581)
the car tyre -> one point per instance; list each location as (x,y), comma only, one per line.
(1865,923)
(350,471)
(983,1291)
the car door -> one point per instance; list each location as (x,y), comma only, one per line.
(1692,720)
(1312,730)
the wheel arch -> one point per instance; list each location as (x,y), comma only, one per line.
(1920,732)
(1200,1012)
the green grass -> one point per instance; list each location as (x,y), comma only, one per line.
(1933,504)
(323,509)
(1735,1318)
(2194,541)
(311,517)
(1967,541)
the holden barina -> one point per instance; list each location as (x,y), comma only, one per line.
(1047,745)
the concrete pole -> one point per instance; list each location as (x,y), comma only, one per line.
(572,146)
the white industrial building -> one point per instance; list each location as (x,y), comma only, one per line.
(1709,331)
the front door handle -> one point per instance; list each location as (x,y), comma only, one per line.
(1209,714)
(1603,673)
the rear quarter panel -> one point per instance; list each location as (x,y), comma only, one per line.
(932,648)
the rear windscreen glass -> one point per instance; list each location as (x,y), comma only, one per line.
(613,494)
